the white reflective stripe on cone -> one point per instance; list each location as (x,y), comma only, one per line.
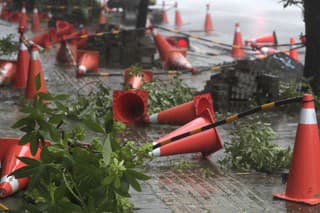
(153,118)
(308,116)
(82,68)
(35,55)
(12,181)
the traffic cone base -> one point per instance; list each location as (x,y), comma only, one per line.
(184,113)
(206,142)
(130,106)
(304,175)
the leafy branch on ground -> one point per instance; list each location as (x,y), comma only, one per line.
(77,173)
(163,95)
(251,148)
(7,45)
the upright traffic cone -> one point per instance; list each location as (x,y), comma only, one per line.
(265,39)
(35,69)
(35,21)
(88,61)
(208,26)
(293,52)
(67,54)
(237,47)
(10,150)
(165,19)
(7,72)
(177,18)
(102,18)
(184,113)
(172,58)
(206,142)
(303,183)
(23,17)
(4,12)
(130,106)
(135,80)
(20,78)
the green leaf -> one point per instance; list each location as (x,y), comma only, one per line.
(93,126)
(133,182)
(106,150)
(29,161)
(21,122)
(54,134)
(137,175)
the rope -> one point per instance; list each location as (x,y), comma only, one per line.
(229,119)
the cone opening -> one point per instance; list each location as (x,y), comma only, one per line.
(130,107)
(4,190)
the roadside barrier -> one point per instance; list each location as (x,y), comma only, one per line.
(227,120)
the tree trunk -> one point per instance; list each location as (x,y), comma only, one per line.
(312,58)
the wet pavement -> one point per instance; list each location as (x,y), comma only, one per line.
(200,186)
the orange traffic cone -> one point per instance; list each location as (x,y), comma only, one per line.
(102,18)
(293,52)
(53,35)
(237,51)
(14,16)
(7,72)
(35,69)
(87,61)
(42,40)
(177,18)
(4,12)
(62,28)
(172,58)
(23,17)
(304,177)
(206,142)
(130,106)
(10,150)
(20,78)
(66,54)
(35,21)
(208,26)
(135,80)
(184,113)
(265,39)
(165,19)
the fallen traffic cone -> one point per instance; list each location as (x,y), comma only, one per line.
(35,69)
(23,22)
(237,47)
(78,38)
(268,50)
(66,54)
(206,142)
(265,39)
(184,113)
(88,61)
(20,78)
(42,40)
(293,52)
(35,21)
(303,183)
(130,106)
(10,150)
(165,19)
(135,80)
(172,58)
(7,72)
(177,18)
(208,26)
(62,28)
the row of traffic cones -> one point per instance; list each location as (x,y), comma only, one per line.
(208,25)
(27,69)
